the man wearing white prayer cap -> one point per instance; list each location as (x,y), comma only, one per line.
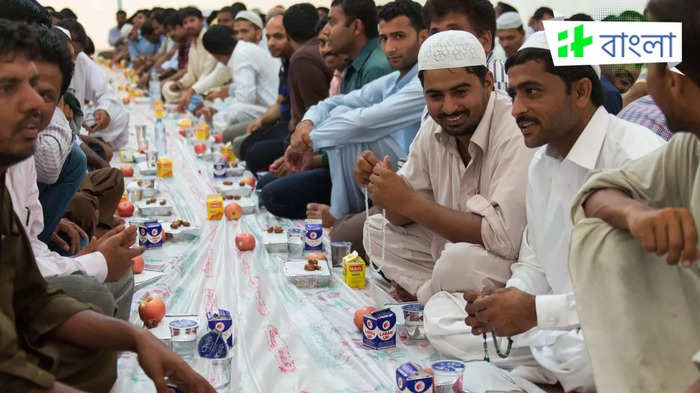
(456,209)
(559,111)
(510,32)
(248,27)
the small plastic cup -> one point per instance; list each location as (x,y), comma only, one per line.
(338,251)
(295,243)
(447,374)
(413,321)
(183,337)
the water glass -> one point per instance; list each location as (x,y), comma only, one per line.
(413,321)
(447,374)
(183,337)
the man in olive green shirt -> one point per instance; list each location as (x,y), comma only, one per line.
(50,342)
(634,248)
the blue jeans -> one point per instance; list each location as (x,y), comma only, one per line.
(288,196)
(56,197)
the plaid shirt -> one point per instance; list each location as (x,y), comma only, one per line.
(644,112)
(182,53)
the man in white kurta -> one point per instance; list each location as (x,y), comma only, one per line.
(539,301)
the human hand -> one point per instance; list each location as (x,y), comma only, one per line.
(301,139)
(101,120)
(364,165)
(254,126)
(159,363)
(669,230)
(387,188)
(116,246)
(74,233)
(217,93)
(298,160)
(208,113)
(504,311)
(280,167)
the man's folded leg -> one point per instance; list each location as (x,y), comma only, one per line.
(288,196)
(465,267)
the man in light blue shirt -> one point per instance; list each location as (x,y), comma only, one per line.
(382,117)
(115,34)
(146,44)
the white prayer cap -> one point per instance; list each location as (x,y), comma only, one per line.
(64,31)
(508,20)
(126,29)
(539,40)
(451,49)
(251,17)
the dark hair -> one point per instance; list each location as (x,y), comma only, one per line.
(214,14)
(77,32)
(89,47)
(300,22)
(172,18)
(364,10)
(688,14)
(569,74)
(68,13)
(580,17)
(504,7)
(121,12)
(53,48)
(479,71)
(218,40)
(631,16)
(147,28)
(324,9)
(17,37)
(412,10)
(238,6)
(321,24)
(230,10)
(480,13)
(191,11)
(159,16)
(28,11)
(539,13)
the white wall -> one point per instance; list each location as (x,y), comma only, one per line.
(98,16)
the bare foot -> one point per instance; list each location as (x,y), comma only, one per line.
(322,212)
(400,294)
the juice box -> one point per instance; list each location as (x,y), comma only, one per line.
(354,270)
(379,329)
(227,150)
(215,207)
(164,167)
(158,108)
(412,378)
(220,169)
(313,241)
(222,322)
(126,155)
(150,234)
(202,132)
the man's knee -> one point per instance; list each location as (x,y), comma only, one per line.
(465,266)
(87,290)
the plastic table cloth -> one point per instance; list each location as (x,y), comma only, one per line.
(286,339)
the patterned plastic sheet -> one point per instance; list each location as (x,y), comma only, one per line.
(286,339)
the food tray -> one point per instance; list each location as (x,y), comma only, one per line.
(295,273)
(275,242)
(232,189)
(145,169)
(154,209)
(182,232)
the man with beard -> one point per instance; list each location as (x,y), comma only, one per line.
(459,198)
(559,110)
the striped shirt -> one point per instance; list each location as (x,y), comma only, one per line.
(53,144)
(643,111)
(498,69)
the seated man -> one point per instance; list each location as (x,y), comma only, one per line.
(353,32)
(175,67)
(256,77)
(634,246)
(199,62)
(307,81)
(510,33)
(111,120)
(456,209)
(382,117)
(146,44)
(49,341)
(559,110)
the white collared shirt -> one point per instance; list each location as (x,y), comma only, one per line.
(20,181)
(553,182)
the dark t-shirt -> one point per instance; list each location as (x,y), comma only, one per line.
(284,91)
(309,80)
(613,98)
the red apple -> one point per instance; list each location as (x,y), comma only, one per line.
(125,209)
(245,242)
(361,312)
(183,133)
(138,265)
(249,181)
(127,170)
(218,138)
(200,148)
(151,311)
(126,100)
(233,211)
(143,149)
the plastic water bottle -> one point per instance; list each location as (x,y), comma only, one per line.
(161,140)
(154,86)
